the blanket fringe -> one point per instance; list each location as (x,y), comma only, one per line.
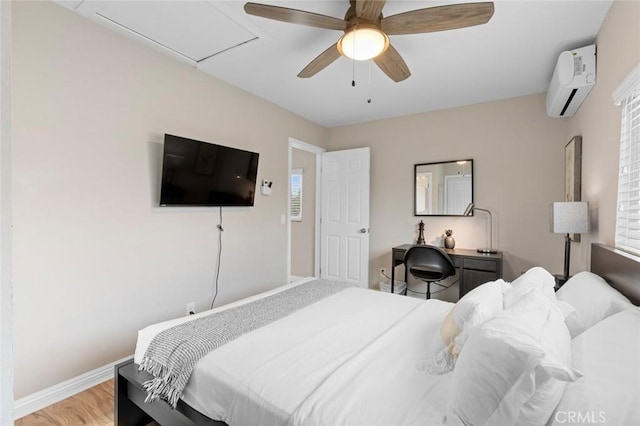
(163,386)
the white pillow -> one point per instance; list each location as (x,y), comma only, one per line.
(593,300)
(514,367)
(475,307)
(535,277)
(540,279)
(608,355)
(480,304)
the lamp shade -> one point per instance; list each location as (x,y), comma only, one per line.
(570,217)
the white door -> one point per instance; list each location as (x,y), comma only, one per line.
(457,192)
(344,229)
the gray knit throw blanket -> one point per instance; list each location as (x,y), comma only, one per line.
(174,352)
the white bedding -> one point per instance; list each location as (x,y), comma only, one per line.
(353,362)
(350,359)
(607,354)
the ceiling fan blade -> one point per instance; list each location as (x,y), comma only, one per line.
(440,18)
(369,9)
(322,61)
(392,64)
(295,16)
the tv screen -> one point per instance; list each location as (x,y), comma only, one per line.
(196,173)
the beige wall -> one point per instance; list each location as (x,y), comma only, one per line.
(518,159)
(518,155)
(303,233)
(598,121)
(94,257)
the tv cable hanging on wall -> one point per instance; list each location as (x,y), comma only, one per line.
(220,231)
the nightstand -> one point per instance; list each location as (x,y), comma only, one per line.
(560,280)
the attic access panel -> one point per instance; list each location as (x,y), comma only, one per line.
(195,30)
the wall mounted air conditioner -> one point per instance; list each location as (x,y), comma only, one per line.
(572,80)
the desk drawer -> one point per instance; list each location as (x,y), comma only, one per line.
(480,265)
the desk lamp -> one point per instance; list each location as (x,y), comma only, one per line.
(467,212)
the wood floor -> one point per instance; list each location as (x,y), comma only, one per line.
(93,407)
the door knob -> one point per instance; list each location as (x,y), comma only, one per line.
(363,230)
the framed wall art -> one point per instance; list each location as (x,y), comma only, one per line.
(572,169)
(573,173)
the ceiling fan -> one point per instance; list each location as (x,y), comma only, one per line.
(366,31)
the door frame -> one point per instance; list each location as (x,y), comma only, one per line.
(317,151)
(429,193)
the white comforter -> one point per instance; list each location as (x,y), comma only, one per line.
(346,360)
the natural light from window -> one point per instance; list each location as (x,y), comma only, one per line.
(296,195)
(627,95)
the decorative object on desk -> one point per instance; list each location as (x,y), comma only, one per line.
(570,218)
(420,239)
(573,173)
(470,208)
(442,189)
(449,241)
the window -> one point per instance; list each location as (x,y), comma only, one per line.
(296,195)
(628,215)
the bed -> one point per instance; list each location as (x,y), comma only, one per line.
(365,357)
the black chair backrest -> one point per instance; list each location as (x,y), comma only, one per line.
(430,256)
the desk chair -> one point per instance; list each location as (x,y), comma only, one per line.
(429,264)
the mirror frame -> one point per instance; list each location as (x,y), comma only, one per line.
(415,186)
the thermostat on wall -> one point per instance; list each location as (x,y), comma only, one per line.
(265,188)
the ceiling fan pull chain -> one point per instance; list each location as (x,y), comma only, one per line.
(353,73)
(369,85)
(353,64)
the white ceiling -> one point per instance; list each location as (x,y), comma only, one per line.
(512,55)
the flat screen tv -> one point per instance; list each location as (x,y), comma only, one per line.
(196,173)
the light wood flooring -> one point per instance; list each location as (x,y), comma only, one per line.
(93,407)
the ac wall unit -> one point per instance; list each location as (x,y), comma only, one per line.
(572,80)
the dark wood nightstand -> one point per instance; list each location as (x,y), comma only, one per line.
(560,280)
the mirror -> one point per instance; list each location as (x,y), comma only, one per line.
(442,189)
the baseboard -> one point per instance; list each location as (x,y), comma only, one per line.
(39,400)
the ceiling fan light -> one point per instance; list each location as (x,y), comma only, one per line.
(363,43)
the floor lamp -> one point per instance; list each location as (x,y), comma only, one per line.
(470,208)
(570,218)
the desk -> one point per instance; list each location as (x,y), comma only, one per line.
(473,268)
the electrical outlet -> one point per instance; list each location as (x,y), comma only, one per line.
(383,272)
(191,308)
